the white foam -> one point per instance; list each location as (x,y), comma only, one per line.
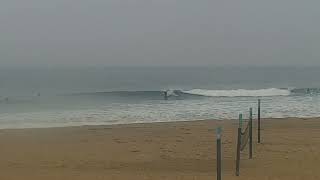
(165,111)
(239,92)
(171,93)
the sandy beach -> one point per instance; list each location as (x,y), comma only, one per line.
(179,150)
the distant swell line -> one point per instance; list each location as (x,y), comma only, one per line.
(208,93)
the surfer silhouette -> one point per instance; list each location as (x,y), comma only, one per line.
(165,95)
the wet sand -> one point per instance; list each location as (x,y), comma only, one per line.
(290,150)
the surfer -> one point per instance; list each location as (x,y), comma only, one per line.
(165,95)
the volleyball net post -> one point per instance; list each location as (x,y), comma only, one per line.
(219,154)
(259,121)
(238,146)
(250,135)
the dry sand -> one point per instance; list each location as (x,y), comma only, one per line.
(290,150)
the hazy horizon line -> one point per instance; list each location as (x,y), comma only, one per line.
(158,66)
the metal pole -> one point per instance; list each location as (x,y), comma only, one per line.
(240,120)
(250,135)
(239,146)
(219,153)
(259,120)
(238,152)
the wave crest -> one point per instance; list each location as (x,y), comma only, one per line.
(239,92)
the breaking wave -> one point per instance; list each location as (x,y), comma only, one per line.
(239,92)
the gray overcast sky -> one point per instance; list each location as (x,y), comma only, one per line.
(159,32)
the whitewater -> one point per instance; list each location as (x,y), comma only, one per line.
(240,92)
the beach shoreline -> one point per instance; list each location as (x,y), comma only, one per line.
(162,150)
(31,127)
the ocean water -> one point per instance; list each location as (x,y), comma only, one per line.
(56,97)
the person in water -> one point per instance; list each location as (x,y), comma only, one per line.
(165,95)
